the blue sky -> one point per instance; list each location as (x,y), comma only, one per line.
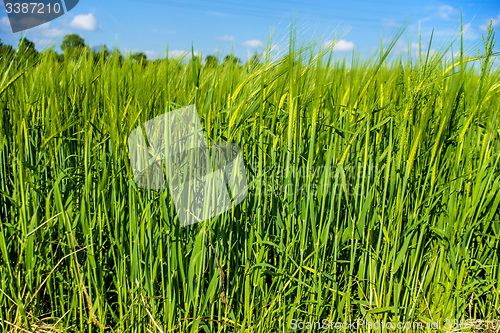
(217,27)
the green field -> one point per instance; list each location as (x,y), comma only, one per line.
(374,193)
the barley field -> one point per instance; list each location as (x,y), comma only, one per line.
(374,193)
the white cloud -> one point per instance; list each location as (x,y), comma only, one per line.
(178,53)
(47,30)
(274,52)
(496,62)
(341,45)
(85,22)
(181,53)
(4,21)
(468,33)
(416,25)
(226,38)
(390,23)
(253,43)
(45,35)
(44,30)
(400,46)
(446,11)
(276,47)
(152,54)
(495,22)
(43,43)
(423,50)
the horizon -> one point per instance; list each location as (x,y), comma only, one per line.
(243,30)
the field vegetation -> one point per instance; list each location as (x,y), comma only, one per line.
(374,192)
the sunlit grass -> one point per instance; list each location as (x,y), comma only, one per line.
(375,191)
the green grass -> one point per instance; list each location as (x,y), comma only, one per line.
(374,193)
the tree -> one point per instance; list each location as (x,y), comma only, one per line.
(139,57)
(101,51)
(26,44)
(72,43)
(51,54)
(117,56)
(211,61)
(230,59)
(255,60)
(27,47)
(5,50)
(196,61)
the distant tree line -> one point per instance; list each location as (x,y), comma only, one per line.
(73,46)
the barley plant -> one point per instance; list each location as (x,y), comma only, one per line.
(374,192)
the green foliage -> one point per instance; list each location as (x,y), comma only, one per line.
(25,44)
(231,60)
(72,43)
(117,56)
(27,47)
(374,194)
(254,60)
(101,52)
(139,57)
(211,61)
(6,51)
